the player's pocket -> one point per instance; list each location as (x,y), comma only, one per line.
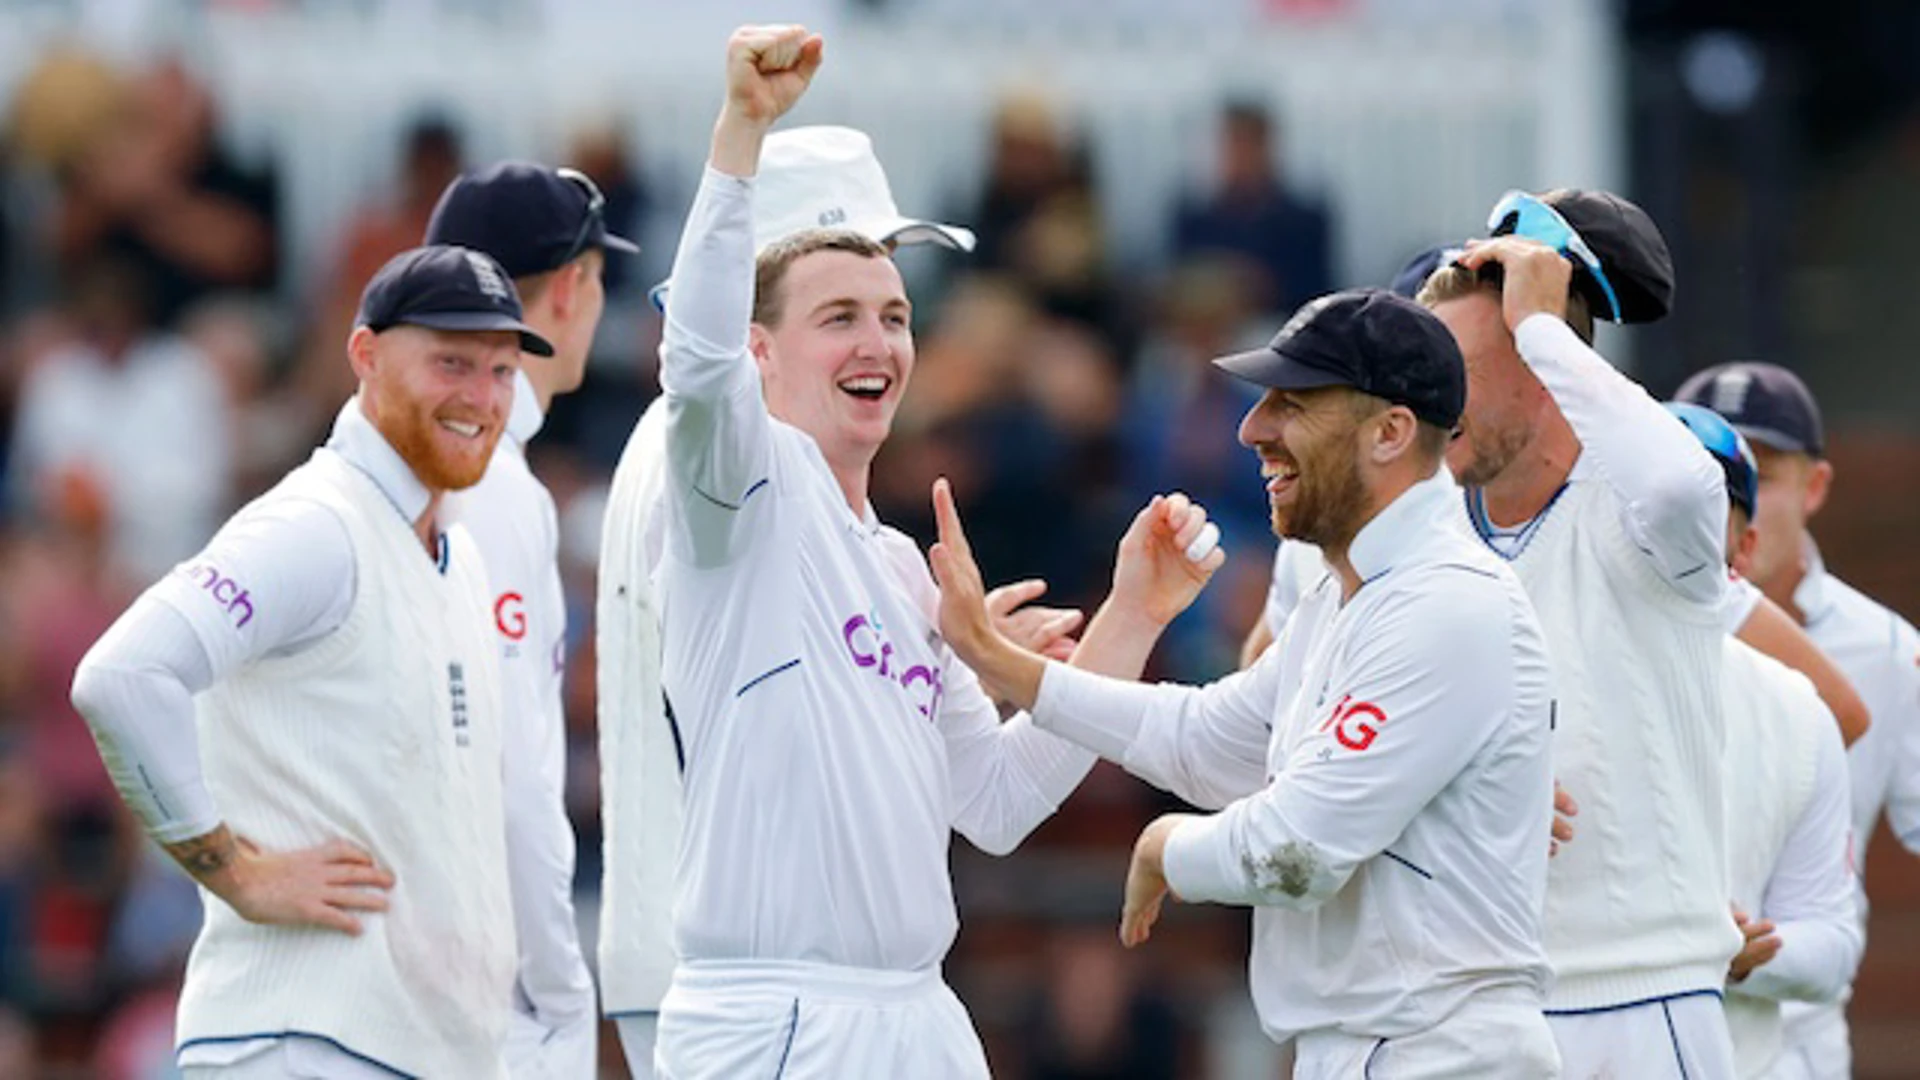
(713,1035)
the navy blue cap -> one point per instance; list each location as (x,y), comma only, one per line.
(446,288)
(1630,248)
(1369,339)
(530,217)
(1765,402)
(1728,447)
(1418,269)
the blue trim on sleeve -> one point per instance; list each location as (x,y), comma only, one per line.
(1405,863)
(765,675)
(725,505)
(673,725)
(216,1040)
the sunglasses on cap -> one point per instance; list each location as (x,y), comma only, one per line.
(596,209)
(1520,214)
(1728,447)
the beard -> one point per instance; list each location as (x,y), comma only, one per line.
(1479,455)
(1329,501)
(411,432)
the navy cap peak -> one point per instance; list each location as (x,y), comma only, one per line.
(445,287)
(531,217)
(1371,340)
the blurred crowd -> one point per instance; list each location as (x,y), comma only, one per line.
(156,372)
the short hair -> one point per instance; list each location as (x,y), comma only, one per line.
(1429,439)
(1452,282)
(770,269)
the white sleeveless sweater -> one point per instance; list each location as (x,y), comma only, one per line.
(385,734)
(1637,903)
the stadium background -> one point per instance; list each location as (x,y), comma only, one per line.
(1093,144)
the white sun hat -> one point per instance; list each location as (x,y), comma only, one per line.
(827,177)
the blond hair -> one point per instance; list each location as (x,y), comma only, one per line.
(1452,282)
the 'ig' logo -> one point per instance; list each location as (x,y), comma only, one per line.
(1355,724)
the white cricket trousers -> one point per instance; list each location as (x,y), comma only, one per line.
(752,1019)
(1683,1037)
(1496,1036)
(1816,1044)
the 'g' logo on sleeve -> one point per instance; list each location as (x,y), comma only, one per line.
(510,615)
(1355,724)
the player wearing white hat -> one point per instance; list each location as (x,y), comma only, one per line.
(808,176)
(307,716)
(831,743)
(1878,649)
(1381,775)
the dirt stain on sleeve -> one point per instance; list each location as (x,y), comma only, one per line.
(1288,870)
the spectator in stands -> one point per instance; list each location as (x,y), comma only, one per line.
(1177,435)
(1038,217)
(96,413)
(156,188)
(1251,214)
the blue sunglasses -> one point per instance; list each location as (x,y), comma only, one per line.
(1728,447)
(1520,214)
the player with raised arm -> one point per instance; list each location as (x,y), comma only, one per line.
(832,744)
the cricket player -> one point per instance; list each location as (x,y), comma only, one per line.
(807,175)
(547,229)
(1877,648)
(1788,808)
(307,716)
(1614,517)
(831,742)
(1380,778)
(1746,612)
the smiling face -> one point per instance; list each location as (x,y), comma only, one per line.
(440,399)
(1310,454)
(835,348)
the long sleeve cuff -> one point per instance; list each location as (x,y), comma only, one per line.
(1093,711)
(1815,963)
(710,299)
(1199,863)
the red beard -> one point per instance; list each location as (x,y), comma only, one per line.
(413,435)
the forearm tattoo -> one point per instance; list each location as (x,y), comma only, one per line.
(204,855)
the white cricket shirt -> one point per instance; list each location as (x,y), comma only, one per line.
(1880,654)
(1382,779)
(1787,820)
(511,517)
(832,741)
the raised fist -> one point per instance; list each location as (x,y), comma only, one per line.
(768,68)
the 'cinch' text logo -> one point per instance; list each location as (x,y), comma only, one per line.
(870,649)
(225,591)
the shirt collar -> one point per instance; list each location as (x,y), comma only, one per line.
(1403,525)
(524,422)
(356,439)
(1810,596)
